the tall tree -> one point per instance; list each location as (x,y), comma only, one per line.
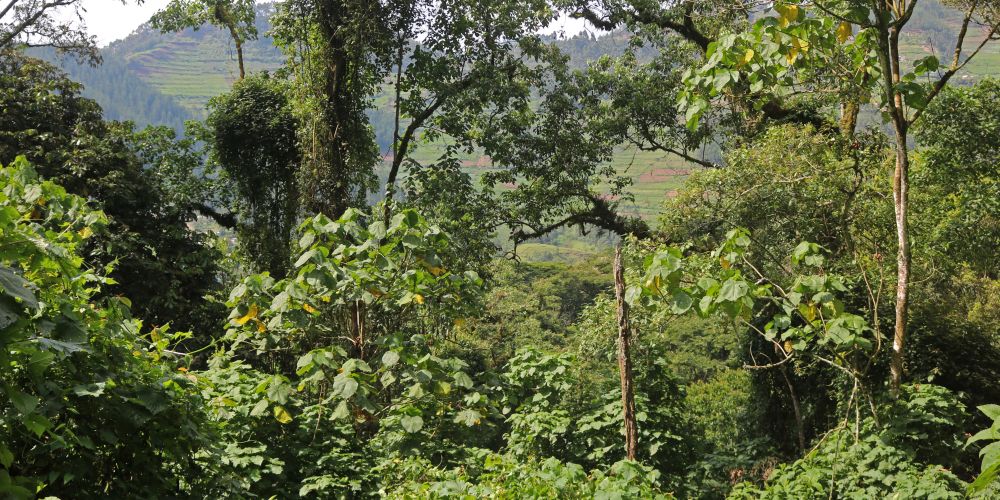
(904,103)
(446,66)
(252,133)
(338,55)
(625,358)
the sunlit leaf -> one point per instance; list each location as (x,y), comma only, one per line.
(281,414)
(411,423)
(251,314)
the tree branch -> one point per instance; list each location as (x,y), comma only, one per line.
(685,28)
(32,19)
(601,215)
(955,65)
(418,121)
(226,220)
(7,8)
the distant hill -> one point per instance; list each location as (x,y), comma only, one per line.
(154,78)
(194,65)
(165,79)
(120,92)
(934,29)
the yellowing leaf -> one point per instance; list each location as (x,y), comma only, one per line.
(786,14)
(86,232)
(801,44)
(376,292)
(654,283)
(437,271)
(419,299)
(788,346)
(282,415)
(844,31)
(793,54)
(261,328)
(325,298)
(251,314)
(747,57)
(309,309)
(808,311)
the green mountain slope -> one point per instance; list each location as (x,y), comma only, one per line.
(120,92)
(192,66)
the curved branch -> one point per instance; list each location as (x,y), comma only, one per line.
(601,215)
(226,220)
(685,28)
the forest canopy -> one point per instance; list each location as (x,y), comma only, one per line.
(309,291)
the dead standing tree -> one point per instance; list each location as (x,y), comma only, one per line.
(625,358)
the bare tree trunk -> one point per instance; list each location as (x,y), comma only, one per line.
(390,185)
(226,19)
(888,54)
(900,198)
(239,57)
(625,359)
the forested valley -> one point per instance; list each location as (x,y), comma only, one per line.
(444,249)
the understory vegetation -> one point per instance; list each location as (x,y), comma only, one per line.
(274,304)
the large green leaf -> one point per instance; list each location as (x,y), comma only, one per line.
(412,423)
(732,290)
(23,402)
(6,457)
(10,312)
(16,286)
(345,386)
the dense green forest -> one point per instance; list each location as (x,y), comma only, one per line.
(353,272)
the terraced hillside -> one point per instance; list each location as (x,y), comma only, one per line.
(933,31)
(193,66)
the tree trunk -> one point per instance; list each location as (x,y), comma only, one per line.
(239,57)
(799,424)
(849,117)
(328,187)
(223,16)
(900,198)
(888,54)
(625,359)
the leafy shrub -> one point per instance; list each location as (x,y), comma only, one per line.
(724,414)
(889,460)
(505,477)
(89,407)
(337,359)
(535,384)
